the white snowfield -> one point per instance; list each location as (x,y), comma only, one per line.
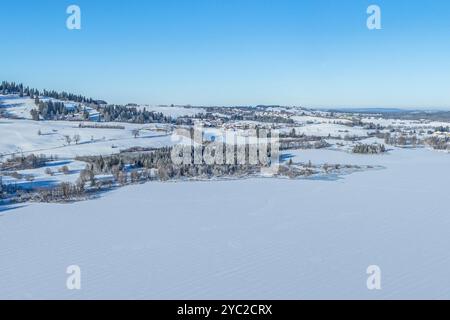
(174,111)
(17,106)
(246,239)
(309,119)
(335,130)
(414,124)
(49,176)
(49,138)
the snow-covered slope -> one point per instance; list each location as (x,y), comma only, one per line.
(16,106)
(48,137)
(174,111)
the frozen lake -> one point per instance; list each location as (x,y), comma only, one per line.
(248,239)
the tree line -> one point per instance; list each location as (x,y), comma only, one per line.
(369,148)
(56,110)
(18,88)
(119,113)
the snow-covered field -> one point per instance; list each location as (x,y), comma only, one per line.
(414,124)
(48,176)
(49,138)
(246,239)
(16,106)
(174,111)
(335,130)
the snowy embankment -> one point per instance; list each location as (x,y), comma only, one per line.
(247,239)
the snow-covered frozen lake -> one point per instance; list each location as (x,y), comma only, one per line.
(247,239)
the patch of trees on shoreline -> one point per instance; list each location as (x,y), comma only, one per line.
(1,188)
(438,143)
(158,165)
(64,192)
(362,148)
(303,143)
(21,162)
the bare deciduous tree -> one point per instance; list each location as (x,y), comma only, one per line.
(135,133)
(76,138)
(68,139)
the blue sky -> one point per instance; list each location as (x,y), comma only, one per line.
(316,53)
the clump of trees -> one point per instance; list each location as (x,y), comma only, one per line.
(100,126)
(64,170)
(63,192)
(8,190)
(443,129)
(293,172)
(157,164)
(12,87)
(1,187)
(369,148)
(438,143)
(118,113)
(22,162)
(303,142)
(18,88)
(401,140)
(135,133)
(55,110)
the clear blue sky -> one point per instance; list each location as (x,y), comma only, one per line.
(316,53)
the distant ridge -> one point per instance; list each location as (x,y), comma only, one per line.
(371,110)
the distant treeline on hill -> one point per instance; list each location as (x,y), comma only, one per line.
(118,113)
(18,88)
(131,113)
(53,110)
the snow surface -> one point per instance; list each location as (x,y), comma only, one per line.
(397,123)
(245,239)
(17,106)
(307,119)
(38,178)
(174,111)
(336,130)
(22,136)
